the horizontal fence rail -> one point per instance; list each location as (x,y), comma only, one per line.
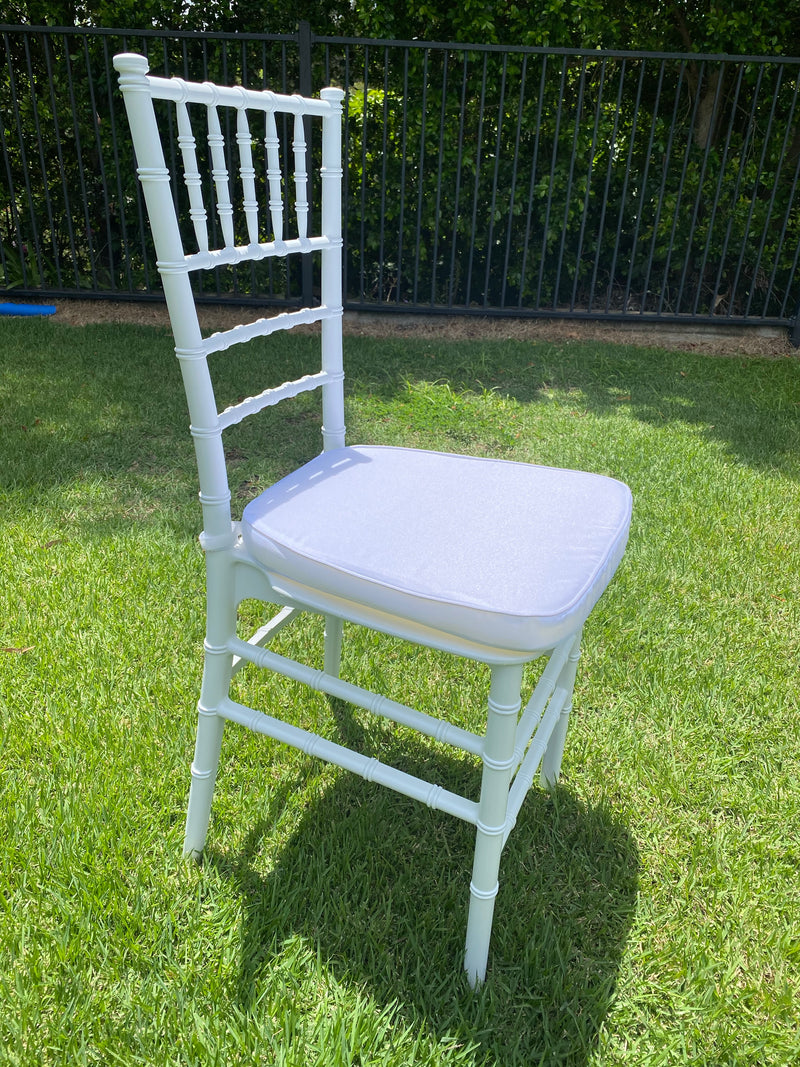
(479,179)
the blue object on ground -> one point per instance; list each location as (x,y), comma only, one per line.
(27,309)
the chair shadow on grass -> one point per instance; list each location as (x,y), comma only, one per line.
(379,886)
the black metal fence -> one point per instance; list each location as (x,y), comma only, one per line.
(480,179)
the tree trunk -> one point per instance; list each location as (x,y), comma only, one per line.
(706,123)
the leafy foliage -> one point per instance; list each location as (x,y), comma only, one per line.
(739,27)
(71,218)
(562,182)
(476,178)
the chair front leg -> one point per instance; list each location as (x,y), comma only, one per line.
(498,765)
(551,762)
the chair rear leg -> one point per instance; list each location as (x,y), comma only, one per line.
(333,644)
(216,680)
(551,762)
(498,764)
(204,776)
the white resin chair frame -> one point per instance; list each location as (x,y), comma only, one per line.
(517,742)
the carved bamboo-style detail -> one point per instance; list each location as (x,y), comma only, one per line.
(231,257)
(219,172)
(434,796)
(191,176)
(272,145)
(286,320)
(248,175)
(438,729)
(300,177)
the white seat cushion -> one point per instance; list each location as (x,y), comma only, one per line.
(509,555)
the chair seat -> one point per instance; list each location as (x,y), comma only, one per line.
(508,555)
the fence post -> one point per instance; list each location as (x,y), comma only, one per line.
(306,89)
(304,39)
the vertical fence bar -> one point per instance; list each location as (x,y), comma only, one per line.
(476,184)
(125,259)
(605,197)
(712,218)
(756,184)
(553,158)
(384,165)
(677,210)
(306,85)
(346,185)
(624,196)
(68,216)
(784,231)
(21,243)
(570,177)
(642,196)
(365,128)
(402,191)
(699,199)
(588,194)
(12,212)
(532,184)
(421,174)
(664,173)
(778,166)
(438,200)
(38,238)
(744,149)
(495,176)
(451,290)
(5,227)
(101,170)
(513,190)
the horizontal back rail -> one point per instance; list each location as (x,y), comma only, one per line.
(269,397)
(178,90)
(241,254)
(287,320)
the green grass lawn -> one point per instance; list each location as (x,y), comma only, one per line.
(649,910)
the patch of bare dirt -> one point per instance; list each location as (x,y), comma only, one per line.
(760,341)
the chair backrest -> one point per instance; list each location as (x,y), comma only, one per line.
(225,201)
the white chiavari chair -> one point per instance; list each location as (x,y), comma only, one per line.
(495,561)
